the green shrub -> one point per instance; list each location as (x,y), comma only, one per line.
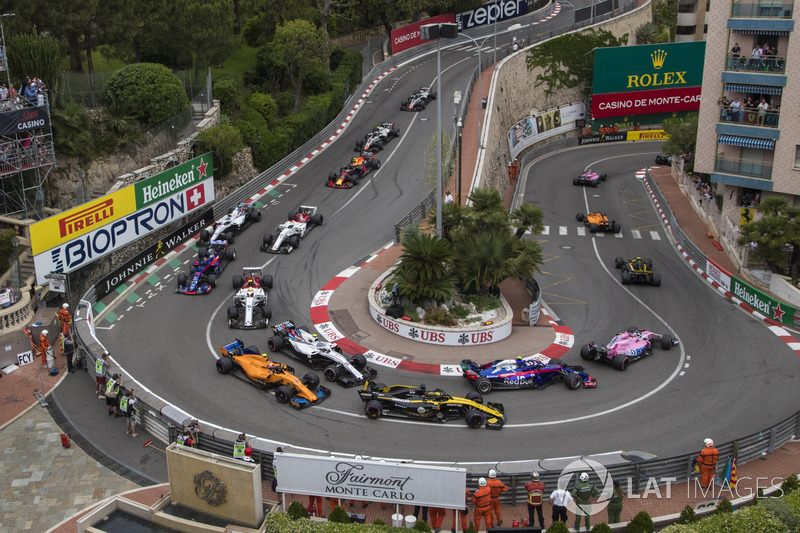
(687,516)
(285,102)
(641,523)
(790,484)
(277,523)
(297,510)
(378,522)
(783,510)
(483,303)
(7,251)
(339,515)
(151,91)
(224,141)
(725,506)
(459,311)
(421,525)
(226,90)
(265,105)
(411,313)
(558,527)
(471,528)
(602,527)
(755,519)
(437,317)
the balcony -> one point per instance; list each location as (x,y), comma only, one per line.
(743,167)
(764,64)
(749,117)
(762,10)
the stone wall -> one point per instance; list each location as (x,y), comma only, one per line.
(512,96)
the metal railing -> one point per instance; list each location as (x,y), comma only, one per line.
(749,117)
(765,64)
(744,167)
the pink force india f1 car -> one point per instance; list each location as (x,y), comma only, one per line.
(627,347)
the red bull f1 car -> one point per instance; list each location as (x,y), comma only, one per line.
(377,138)
(248,363)
(627,347)
(287,236)
(419,403)
(205,270)
(524,374)
(250,309)
(234,222)
(418,100)
(349,176)
(590,178)
(304,346)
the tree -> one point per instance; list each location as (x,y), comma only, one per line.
(641,523)
(568,61)
(208,35)
(665,17)
(151,90)
(647,33)
(526,217)
(300,48)
(225,141)
(482,261)
(423,271)
(31,54)
(71,126)
(778,227)
(682,135)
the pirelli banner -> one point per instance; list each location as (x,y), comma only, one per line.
(647,79)
(79,236)
(26,119)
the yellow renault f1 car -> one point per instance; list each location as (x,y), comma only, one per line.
(256,367)
(419,403)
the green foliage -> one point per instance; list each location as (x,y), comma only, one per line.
(255,132)
(421,525)
(641,523)
(558,527)
(665,17)
(459,311)
(224,141)
(31,54)
(682,135)
(378,522)
(687,516)
(647,33)
(568,61)
(339,515)
(724,506)
(151,90)
(352,63)
(783,509)
(438,317)
(285,103)
(265,105)
(7,250)
(71,131)
(482,302)
(297,510)
(300,49)
(755,519)
(210,43)
(471,528)
(602,527)
(423,271)
(526,217)
(226,90)
(411,312)
(483,260)
(779,224)
(790,484)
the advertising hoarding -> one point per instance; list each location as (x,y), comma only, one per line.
(490,13)
(761,302)
(409,36)
(645,102)
(368,480)
(25,119)
(543,125)
(646,135)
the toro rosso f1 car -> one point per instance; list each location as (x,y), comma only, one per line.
(259,370)
(627,347)
(377,138)
(419,403)
(289,233)
(304,346)
(590,178)
(250,309)
(234,222)
(349,176)
(598,222)
(418,100)
(637,270)
(524,374)
(205,270)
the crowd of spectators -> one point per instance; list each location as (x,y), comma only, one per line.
(764,57)
(703,188)
(752,110)
(26,150)
(32,92)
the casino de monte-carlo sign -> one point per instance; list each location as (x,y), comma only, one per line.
(372,480)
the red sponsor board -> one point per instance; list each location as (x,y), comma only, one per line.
(409,37)
(644,102)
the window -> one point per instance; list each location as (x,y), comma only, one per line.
(687,8)
(797,156)
(685,30)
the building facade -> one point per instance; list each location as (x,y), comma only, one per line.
(748,137)
(692,20)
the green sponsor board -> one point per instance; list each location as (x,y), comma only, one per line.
(649,66)
(763,303)
(630,121)
(176,179)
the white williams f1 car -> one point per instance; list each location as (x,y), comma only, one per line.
(250,309)
(289,233)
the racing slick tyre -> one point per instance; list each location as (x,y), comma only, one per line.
(224,365)
(266,311)
(475,418)
(379,145)
(586,352)
(255,216)
(620,362)
(233,313)
(377,164)
(603,177)
(230,254)
(666,342)
(331,177)
(359,361)
(615,228)
(557,362)
(311,380)
(212,280)
(576,181)
(294,241)
(266,281)
(396,132)
(354,180)
(253,349)
(474,397)
(592,228)
(229,236)
(579,217)
(293,214)
(421,107)
(656,281)
(331,373)
(433,96)
(238,281)
(269,238)
(283,394)
(205,235)
(626,277)
(181,280)
(618,262)
(574,382)
(275,343)
(373,409)
(316,220)
(483,385)
(595,183)
(201,251)
(648,263)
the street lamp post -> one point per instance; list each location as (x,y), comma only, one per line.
(458,184)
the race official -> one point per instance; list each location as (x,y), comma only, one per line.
(707,461)
(483,507)
(560,498)
(64,319)
(496,486)
(44,345)
(535,490)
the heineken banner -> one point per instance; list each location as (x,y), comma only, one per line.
(763,303)
(25,119)
(153,252)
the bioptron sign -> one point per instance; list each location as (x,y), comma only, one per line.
(636,80)
(75,238)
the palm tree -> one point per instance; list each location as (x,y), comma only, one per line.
(483,260)
(528,216)
(423,272)
(485,200)
(452,217)
(647,33)
(778,228)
